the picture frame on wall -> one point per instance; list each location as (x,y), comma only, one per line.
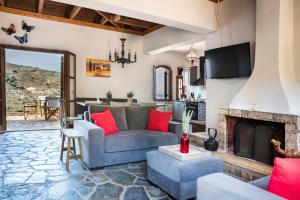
(98,68)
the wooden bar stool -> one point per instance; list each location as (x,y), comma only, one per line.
(71,135)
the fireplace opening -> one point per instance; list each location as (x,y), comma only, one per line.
(252,139)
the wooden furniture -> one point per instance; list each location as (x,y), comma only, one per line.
(52,107)
(30,107)
(179,87)
(41,103)
(71,135)
(82,105)
(162,83)
(76,15)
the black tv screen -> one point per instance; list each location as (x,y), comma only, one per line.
(228,62)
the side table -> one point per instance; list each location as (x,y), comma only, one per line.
(71,135)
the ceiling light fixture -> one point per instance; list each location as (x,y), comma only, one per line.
(122,59)
(192,57)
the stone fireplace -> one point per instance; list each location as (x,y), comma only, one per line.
(248,133)
(250,138)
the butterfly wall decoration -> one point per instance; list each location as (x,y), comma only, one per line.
(10,30)
(22,39)
(26,27)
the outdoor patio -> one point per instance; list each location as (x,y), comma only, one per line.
(16,123)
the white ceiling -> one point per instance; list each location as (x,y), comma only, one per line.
(199,46)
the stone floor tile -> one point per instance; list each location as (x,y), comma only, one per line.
(13,178)
(121,177)
(30,168)
(107,191)
(134,193)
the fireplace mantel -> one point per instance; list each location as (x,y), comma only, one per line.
(292,132)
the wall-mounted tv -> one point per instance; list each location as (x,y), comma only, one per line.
(228,62)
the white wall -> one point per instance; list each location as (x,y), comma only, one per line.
(193,15)
(296,38)
(239,26)
(95,43)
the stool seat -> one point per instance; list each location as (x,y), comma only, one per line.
(71,133)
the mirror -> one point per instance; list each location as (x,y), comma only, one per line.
(162,83)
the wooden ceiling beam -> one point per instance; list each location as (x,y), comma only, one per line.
(103,20)
(40,6)
(135,22)
(74,12)
(108,18)
(65,20)
(117,18)
(216,1)
(153,28)
(2,2)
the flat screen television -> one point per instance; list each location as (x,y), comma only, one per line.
(228,62)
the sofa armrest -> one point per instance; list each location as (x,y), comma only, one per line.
(261,183)
(221,186)
(175,127)
(86,116)
(93,143)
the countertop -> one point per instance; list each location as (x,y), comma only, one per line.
(196,101)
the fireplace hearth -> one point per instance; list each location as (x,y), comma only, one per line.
(247,133)
(252,139)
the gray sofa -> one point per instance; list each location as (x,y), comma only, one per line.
(130,144)
(224,187)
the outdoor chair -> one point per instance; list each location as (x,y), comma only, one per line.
(52,107)
(30,107)
(41,103)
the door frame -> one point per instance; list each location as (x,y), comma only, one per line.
(2,94)
(64,70)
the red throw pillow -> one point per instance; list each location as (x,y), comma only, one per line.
(159,121)
(106,121)
(285,178)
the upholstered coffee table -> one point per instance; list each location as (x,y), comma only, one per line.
(179,178)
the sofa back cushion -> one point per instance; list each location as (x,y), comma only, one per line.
(159,121)
(106,121)
(117,112)
(137,117)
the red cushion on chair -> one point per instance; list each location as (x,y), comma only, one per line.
(285,178)
(159,121)
(106,121)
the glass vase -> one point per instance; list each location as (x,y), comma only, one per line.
(184,143)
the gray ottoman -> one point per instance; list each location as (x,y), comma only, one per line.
(179,178)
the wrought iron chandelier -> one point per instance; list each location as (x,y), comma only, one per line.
(122,59)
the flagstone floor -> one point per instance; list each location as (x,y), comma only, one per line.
(30,169)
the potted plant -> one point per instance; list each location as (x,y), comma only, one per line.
(184,141)
(130,96)
(108,96)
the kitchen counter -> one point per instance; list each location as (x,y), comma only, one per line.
(196,101)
